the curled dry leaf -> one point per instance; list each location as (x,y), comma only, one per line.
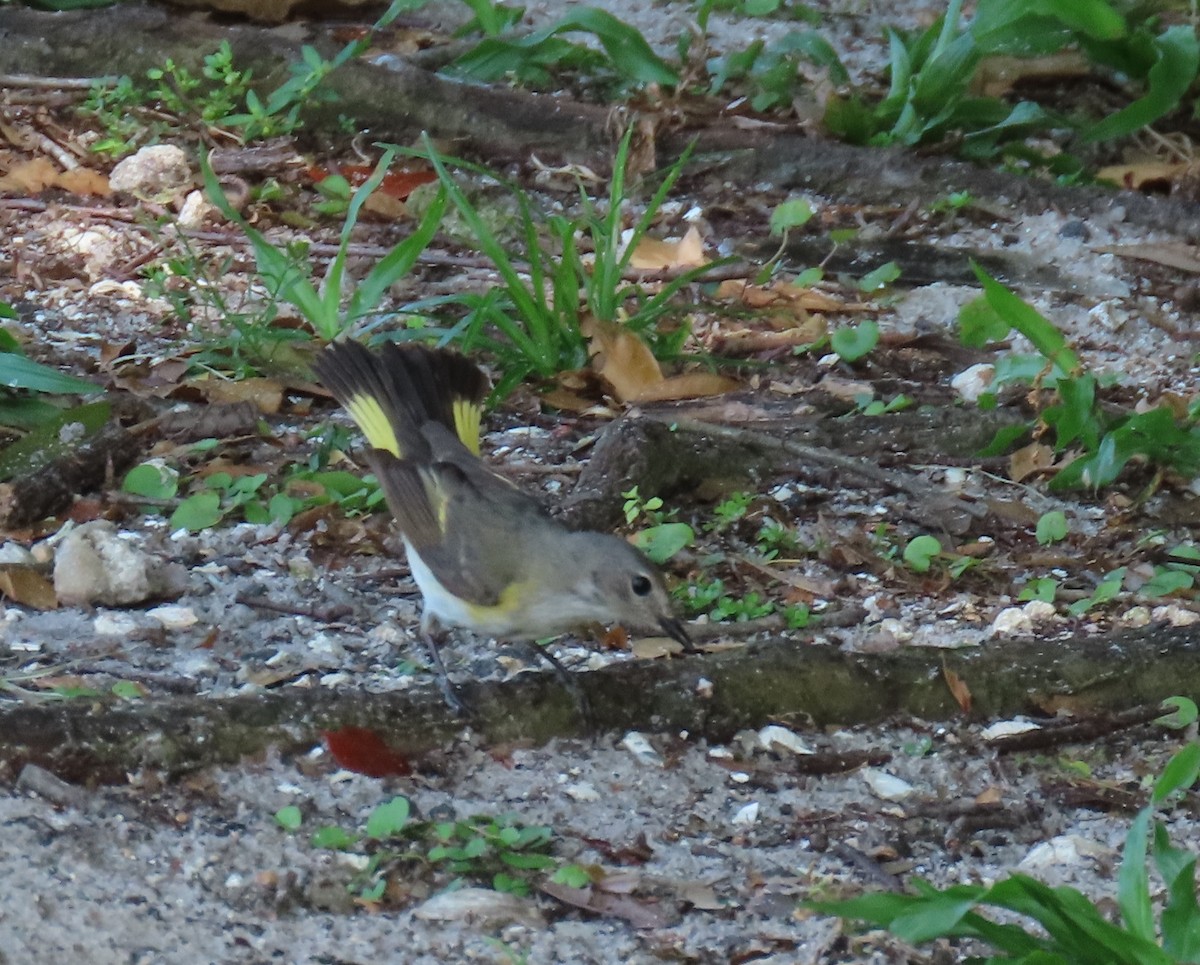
(626,363)
(265,394)
(1028,460)
(958,689)
(651,254)
(38,174)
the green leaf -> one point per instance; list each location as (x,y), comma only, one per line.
(879,278)
(853,343)
(1028,321)
(127,690)
(1167,82)
(571,875)
(920,553)
(334,838)
(979,324)
(18,372)
(289,818)
(48,441)
(152,480)
(1051,527)
(389,818)
(1133,885)
(199,511)
(1184,713)
(1181,917)
(661,542)
(790,214)
(627,49)
(1180,773)
(1165,582)
(529,862)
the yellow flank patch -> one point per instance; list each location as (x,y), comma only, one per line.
(373,422)
(512,600)
(467,416)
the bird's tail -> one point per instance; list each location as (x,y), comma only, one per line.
(393,393)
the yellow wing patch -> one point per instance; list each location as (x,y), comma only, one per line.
(373,422)
(467,416)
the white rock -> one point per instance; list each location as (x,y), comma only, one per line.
(583,791)
(159,172)
(1136,616)
(95,566)
(1011,621)
(1006,728)
(1066,849)
(195,210)
(174,617)
(482,906)
(746,816)
(886,786)
(639,747)
(12,552)
(1039,611)
(1175,615)
(114,624)
(773,736)
(971,383)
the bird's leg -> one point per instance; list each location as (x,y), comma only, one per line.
(569,681)
(429,639)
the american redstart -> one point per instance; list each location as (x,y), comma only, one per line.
(485,555)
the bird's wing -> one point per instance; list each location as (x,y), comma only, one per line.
(472,529)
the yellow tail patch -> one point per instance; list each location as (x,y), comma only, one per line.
(467,416)
(372,421)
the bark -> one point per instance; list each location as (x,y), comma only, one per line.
(711,696)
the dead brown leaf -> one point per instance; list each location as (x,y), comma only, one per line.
(640,914)
(626,363)
(26,586)
(1147,172)
(1030,459)
(958,689)
(39,173)
(265,394)
(651,254)
(989,795)
(1170,254)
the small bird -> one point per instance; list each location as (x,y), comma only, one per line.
(485,555)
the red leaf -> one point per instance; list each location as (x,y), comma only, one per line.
(362,750)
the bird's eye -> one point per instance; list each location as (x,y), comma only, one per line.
(640,585)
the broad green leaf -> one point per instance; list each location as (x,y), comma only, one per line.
(853,343)
(1051,527)
(289,818)
(920,553)
(979,323)
(790,214)
(199,511)
(389,818)
(151,480)
(1165,582)
(334,838)
(660,543)
(879,278)
(1184,713)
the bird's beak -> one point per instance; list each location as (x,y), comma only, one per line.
(674,629)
